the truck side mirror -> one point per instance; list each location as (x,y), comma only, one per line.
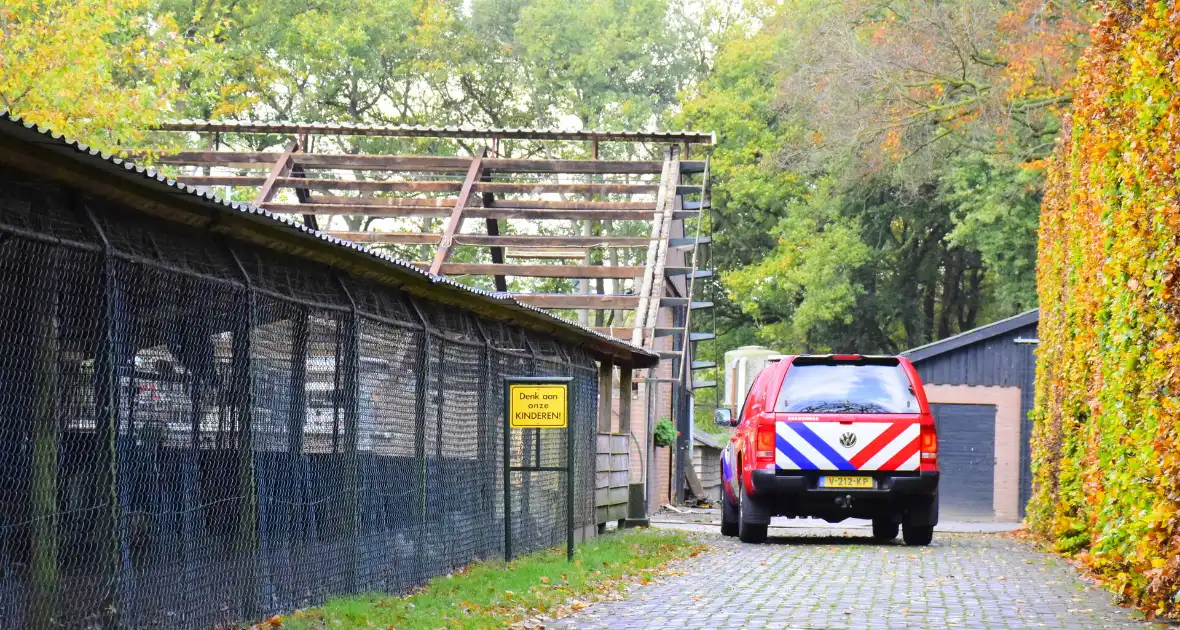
(723,417)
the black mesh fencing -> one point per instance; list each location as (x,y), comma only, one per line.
(199,433)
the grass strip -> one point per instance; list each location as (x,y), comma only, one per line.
(523,593)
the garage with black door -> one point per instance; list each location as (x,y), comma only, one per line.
(966,459)
(979,384)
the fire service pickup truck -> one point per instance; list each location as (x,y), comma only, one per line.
(833,437)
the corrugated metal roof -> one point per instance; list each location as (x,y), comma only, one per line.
(972,336)
(71,149)
(413,131)
(708,439)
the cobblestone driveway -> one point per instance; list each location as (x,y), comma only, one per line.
(811,580)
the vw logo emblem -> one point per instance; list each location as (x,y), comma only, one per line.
(848,440)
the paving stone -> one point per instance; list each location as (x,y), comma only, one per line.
(811,581)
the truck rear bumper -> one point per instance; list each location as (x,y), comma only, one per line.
(911,498)
(768,482)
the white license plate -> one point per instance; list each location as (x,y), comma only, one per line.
(846,481)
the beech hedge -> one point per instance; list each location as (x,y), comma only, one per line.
(1106,439)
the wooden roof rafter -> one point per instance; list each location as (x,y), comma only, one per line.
(419,131)
(416,163)
(455,222)
(363,188)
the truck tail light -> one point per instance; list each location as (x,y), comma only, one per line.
(764,443)
(929,448)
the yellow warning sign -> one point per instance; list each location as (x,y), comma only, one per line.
(538,406)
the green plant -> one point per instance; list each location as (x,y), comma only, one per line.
(497,595)
(665,433)
(1106,437)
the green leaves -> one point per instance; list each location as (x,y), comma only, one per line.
(866,197)
(996,208)
(102,71)
(808,282)
(1107,419)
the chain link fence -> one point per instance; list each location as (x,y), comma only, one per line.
(196,433)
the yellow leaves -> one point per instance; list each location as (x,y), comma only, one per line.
(96,70)
(1106,431)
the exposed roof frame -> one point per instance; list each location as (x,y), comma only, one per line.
(29,148)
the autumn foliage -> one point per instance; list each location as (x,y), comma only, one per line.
(1106,450)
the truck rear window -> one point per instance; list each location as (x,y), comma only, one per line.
(846,388)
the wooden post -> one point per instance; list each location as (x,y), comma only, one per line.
(243,392)
(484,434)
(112,518)
(625,429)
(625,399)
(298,386)
(421,392)
(605,384)
(350,401)
(43,478)
(493,226)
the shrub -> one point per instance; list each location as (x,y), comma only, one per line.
(1106,440)
(664,433)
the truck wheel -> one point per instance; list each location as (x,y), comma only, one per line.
(917,535)
(884,529)
(748,532)
(729,516)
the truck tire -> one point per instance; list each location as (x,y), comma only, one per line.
(729,516)
(748,532)
(884,529)
(917,535)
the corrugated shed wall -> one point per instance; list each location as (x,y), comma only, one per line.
(994,362)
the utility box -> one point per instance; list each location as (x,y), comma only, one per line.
(741,366)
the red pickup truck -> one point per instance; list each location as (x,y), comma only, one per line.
(832,437)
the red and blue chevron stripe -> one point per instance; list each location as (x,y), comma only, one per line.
(859,446)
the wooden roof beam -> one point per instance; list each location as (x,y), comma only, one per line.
(280,169)
(455,222)
(409,163)
(385,238)
(479,213)
(578,301)
(591,301)
(419,186)
(489,240)
(546,271)
(449,202)
(416,131)
(624,332)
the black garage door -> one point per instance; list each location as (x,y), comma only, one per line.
(966,458)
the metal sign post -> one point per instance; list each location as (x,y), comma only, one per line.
(538,403)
